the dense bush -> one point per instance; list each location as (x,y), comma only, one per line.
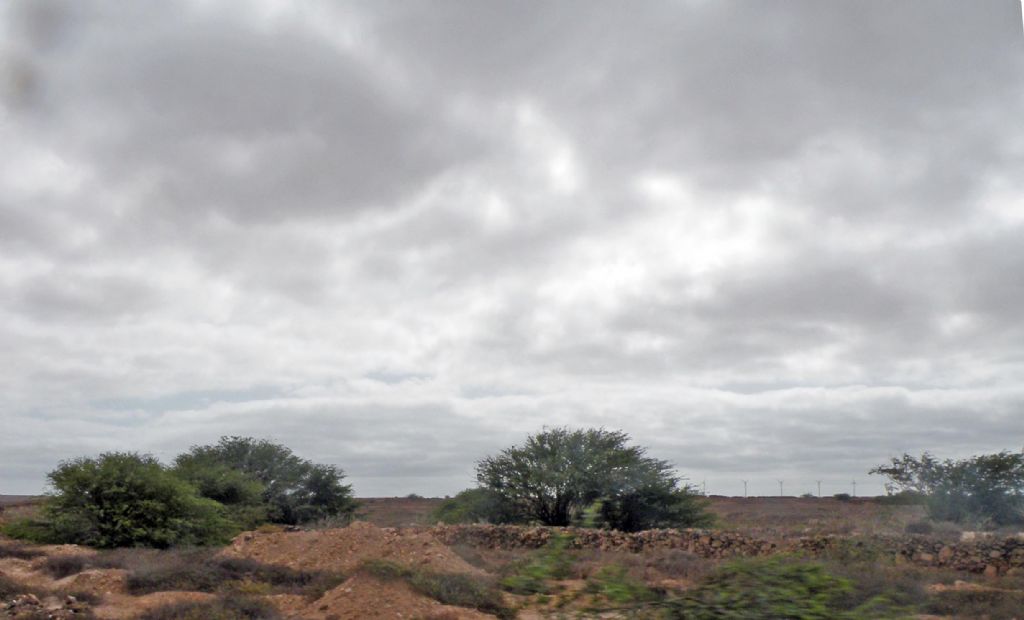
(614,583)
(121,500)
(473,506)
(558,474)
(212,492)
(987,489)
(531,576)
(776,588)
(237,491)
(291,490)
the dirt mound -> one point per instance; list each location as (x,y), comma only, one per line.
(364,596)
(99,581)
(344,549)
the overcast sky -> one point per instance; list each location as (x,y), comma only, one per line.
(770,240)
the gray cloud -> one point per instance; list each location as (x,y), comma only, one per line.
(771,240)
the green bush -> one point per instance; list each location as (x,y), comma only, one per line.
(614,583)
(553,562)
(292,490)
(771,588)
(473,506)
(237,491)
(884,589)
(122,500)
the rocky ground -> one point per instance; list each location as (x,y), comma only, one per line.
(452,572)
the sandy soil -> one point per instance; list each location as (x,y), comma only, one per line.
(343,550)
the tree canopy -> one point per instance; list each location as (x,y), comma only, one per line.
(561,476)
(293,490)
(986,488)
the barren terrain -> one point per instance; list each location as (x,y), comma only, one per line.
(394,563)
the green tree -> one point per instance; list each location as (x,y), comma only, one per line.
(240,493)
(558,473)
(987,488)
(123,500)
(295,490)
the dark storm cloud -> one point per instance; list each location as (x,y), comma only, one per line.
(766,239)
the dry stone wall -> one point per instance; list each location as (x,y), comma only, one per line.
(989,555)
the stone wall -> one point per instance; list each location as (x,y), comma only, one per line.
(989,555)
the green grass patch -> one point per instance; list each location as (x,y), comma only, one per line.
(614,583)
(780,588)
(532,576)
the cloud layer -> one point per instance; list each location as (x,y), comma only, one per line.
(768,240)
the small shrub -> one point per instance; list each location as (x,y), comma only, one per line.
(199,571)
(766,588)
(228,608)
(888,590)
(60,566)
(856,551)
(30,529)
(323,583)
(676,563)
(614,583)
(843,497)
(919,527)
(454,589)
(903,498)
(995,604)
(19,551)
(9,587)
(553,562)
(471,555)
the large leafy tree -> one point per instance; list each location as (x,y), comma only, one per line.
(124,499)
(293,490)
(986,488)
(559,473)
